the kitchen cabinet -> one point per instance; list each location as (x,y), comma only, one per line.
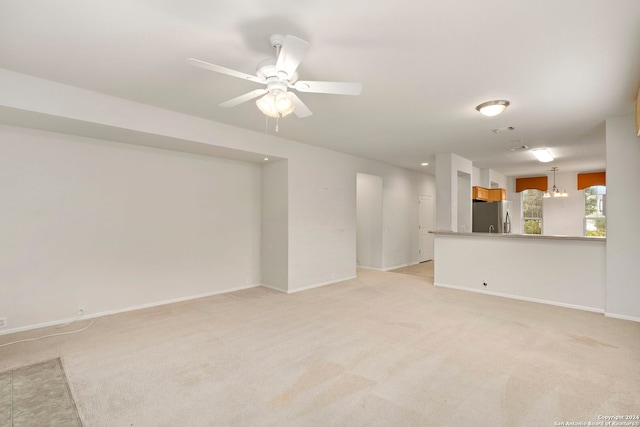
(497,194)
(480,193)
(489,194)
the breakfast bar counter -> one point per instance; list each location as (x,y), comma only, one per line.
(520,236)
(568,271)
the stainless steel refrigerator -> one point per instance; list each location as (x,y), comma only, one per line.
(492,217)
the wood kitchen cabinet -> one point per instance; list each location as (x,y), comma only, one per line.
(497,194)
(480,193)
(489,194)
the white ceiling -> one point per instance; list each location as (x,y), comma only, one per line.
(565,66)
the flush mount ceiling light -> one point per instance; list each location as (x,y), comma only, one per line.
(424,164)
(492,108)
(543,155)
(554,191)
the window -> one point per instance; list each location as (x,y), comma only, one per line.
(532,211)
(595,218)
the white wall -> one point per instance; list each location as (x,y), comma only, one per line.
(497,180)
(515,212)
(564,215)
(274,242)
(569,273)
(465,210)
(321,185)
(116,226)
(561,216)
(623,208)
(451,190)
(480,177)
(322,214)
(488,178)
(369,221)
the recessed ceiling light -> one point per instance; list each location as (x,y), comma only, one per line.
(518,145)
(543,155)
(492,108)
(424,164)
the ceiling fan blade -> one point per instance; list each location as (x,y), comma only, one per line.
(334,88)
(223,70)
(244,98)
(291,53)
(301,110)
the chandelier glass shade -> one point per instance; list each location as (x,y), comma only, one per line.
(276,105)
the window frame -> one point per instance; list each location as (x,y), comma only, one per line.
(600,211)
(540,218)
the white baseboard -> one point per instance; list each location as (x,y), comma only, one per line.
(622,316)
(364,267)
(317,285)
(394,267)
(536,300)
(123,310)
(273,288)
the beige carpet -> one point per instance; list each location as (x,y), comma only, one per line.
(424,269)
(385,349)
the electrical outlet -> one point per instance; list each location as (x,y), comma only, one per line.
(3,322)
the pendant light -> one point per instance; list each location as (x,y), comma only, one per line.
(554,191)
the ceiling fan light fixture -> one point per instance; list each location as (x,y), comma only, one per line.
(267,104)
(284,104)
(492,108)
(275,106)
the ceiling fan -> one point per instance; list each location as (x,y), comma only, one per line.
(279,74)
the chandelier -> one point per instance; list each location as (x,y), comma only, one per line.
(554,191)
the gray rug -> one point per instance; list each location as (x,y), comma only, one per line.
(37,395)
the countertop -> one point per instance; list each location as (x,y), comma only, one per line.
(518,236)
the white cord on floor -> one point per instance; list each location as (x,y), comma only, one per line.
(52,335)
(71,321)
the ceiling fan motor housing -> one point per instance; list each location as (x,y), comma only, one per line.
(276,86)
(267,69)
